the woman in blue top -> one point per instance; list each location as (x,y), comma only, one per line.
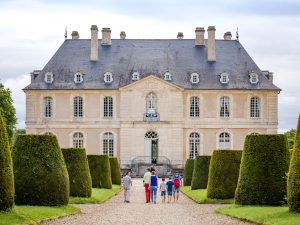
(153,187)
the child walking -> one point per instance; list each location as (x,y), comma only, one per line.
(170,185)
(163,190)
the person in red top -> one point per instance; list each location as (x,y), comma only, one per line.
(146,182)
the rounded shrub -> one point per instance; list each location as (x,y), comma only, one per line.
(41,176)
(79,172)
(223,173)
(262,178)
(188,172)
(200,173)
(293,187)
(115,171)
(100,171)
(7,191)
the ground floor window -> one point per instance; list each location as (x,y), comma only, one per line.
(78,140)
(194,147)
(108,144)
(224,141)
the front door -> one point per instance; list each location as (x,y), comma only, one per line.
(148,148)
(151,147)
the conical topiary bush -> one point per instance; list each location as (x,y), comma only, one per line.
(41,176)
(79,172)
(115,171)
(200,173)
(7,191)
(293,187)
(188,172)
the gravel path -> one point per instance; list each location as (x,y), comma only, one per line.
(115,212)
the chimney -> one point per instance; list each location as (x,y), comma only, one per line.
(75,35)
(94,43)
(268,75)
(34,74)
(106,40)
(180,35)
(227,36)
(199,36)
(211,44)
(122,35)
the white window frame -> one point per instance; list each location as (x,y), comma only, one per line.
(108,107)
(48,78)
(194,106)
(108,77)
(108,143)
(78,78)
(167,76)
(48,107)
(253,78)
(135,76)
(78,140)
(224,78)
(194,145)
(151,102)
(224,107)
(78,107)
(224,140)
(255,107)
(195,78)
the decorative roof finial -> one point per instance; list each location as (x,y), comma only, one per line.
(237,33)
(66,33)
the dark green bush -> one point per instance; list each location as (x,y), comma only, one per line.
(115,171)
(188,172)
(293,187)
(200,173)
(262,178)
(223,173)
(100,171)
(41,176)
(7,191)
(79,172)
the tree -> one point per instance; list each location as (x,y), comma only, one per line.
(8,110)
(290,135)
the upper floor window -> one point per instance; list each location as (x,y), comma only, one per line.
(78,140)
(224,141)
(195,78)
(48,78)
(194,106)
(253,78)
(194,145)
(167,76)
(108,106)
(224,78)
(135,76)
(108,77)
(255,107)
(48,107)
(78,106)
(151,103)
(108,144)
(224,107)
(78,78)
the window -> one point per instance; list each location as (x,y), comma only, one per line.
(48,77)
(194,107)
(224,78)
(108,144)
(108,107)
(48,105)
(224,107)
(167,76)
(78,78)
(78,106)
(48,133)
(194,78)
(253,78)
(194,145)
(224,141)
(151,103)
(108,77)
(78,140)
(254,107)
(135,76)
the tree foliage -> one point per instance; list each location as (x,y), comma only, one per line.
(290,136)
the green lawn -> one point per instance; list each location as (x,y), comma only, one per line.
(268,215)
(199,196)
(98,195)
(34,214)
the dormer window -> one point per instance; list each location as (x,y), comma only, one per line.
(195,78)
(135,76)
(78,78)
(224,78)
(253,78)
(108,77)
(167,76)
(48,78)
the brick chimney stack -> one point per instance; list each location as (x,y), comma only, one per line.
(94,43)
(106,39)
(180,35)
(75,35)
(122,35)
(211,44)
(227,36)
(199,36)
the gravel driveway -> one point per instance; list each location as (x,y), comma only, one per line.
(115,211)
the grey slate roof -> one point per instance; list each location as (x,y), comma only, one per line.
(151,57)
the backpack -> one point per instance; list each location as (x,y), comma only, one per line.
(176,181)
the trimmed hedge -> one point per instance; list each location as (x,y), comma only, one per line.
(7,191)
(115,171)
(223,173)
(200,173)
(293,187)
(41,176)
(262,178)
(188,172)
(100,171)
(79,173)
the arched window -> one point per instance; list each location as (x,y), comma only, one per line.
(194,145)
(108,77)
(224,141)
(78,78)
(151,103)
(167,76)
(48,107)
(135,76)
(108,144)
(224,78)
(151,135)
(78,106)
(194,106)
(48,78)
(78,140)
(224,107)
(253,78)
(108,106)
(194,78)
(255,107)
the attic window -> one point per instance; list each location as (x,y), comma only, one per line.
(224,78)
(78,78)
(253,78)
(167,76)
(195,78)
(48,78)
(108,77)
(135,76)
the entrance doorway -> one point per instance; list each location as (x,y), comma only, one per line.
(151,147)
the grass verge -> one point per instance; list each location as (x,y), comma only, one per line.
(269,215)
(200,196)
(98,195)
(35,214)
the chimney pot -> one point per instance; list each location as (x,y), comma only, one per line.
(180,35)
(211,44)
(94,43)
(199,36)
(122,35)
(227,36)
(75,35)
(106,39)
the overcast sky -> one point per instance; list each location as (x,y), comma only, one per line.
(32,30)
